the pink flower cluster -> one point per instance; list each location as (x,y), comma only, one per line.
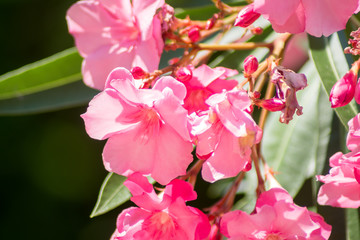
(276,217)
(342,185)
(115,33)
(161,217)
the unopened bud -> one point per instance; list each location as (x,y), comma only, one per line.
(357,92)
(183,74)
(248,166)
(246,16)
(211,22)
(173,61)
(251,64)
(194,34)
(257,30)
(343,90)
(272,104)
(256,94)
(138,73)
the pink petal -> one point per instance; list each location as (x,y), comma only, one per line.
(177,87)
(227,160)
(145,10)
(86,19)
(178,188)
(168,165)
(121,9)
(327,16)
(148,54)
(102,116)
(294,24)
(173,114)
(130,221)
(130,152)
(276,11)
(353,137)
(204,75)
(100,63)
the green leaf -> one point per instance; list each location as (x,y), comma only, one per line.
(67,96)
(299,148)
(58,70)
(112,194)
(352,224)
(331,64)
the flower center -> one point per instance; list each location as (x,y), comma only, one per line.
(160,226)
(273,236)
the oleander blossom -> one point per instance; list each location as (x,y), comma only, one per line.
(147,129)
(321,17)
(276,217)
(204,82)
(225,135)
(341,186)
(287,83)
(163,216)
(115,33)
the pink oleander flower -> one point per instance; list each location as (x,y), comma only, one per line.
(343,90)
(321,17)
(115,33)
(225,135)
(276,217)
(353,137)
(161,217)
(204,82)
(147,129)
(287,83)
(341,186)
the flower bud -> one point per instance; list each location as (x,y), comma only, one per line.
(194,34)
(138,73)
(343,90)
(173,61)
(211,22)
(183,74)
(272,104)
(251,64)
(246,16)
(257,30)
(357,92)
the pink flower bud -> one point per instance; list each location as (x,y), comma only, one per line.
(272,104)
(184,74)
(174,61)
(211,22)
(257,30)
(343,90)
(194,33)
(246,16)
(357,92)
(256,94)
(250,65)
(138,73)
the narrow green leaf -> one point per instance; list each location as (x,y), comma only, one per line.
(352,224)
(67,96)
(331,65)
(112,194)
(57,70)
(299,148)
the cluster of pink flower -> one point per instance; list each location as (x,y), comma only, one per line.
(153,122)
(342,184)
